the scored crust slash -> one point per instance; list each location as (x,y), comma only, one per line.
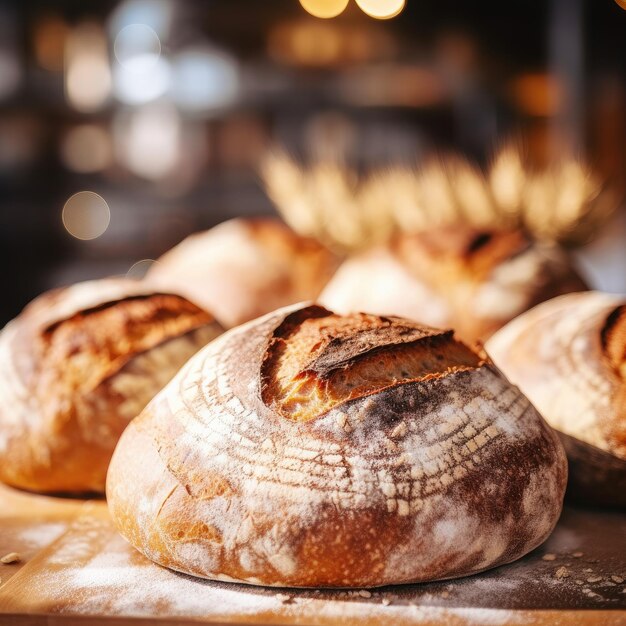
(309,449)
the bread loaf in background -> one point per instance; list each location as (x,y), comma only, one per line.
(568,356)
(245,267)
(76,366)
(471,280)
(307,449)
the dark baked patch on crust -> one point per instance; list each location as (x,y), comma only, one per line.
(316,360)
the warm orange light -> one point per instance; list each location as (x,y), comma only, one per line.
(621,3)
(307,42)
(324,8)
(49,42)
(538,94)
(381,9)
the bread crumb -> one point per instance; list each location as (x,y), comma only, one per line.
(445,594)
(283,597)
(587,569)
(548,557)
(617,579)
(561,572)
(364,593)
(11,557)
(594,579)
(577,555)
(386,601)
(579,582)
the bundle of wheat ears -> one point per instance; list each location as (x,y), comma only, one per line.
(565,202)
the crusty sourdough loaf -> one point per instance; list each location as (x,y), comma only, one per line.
(456,276)
(245,267)
(76,366)
(307,449)
(568,355)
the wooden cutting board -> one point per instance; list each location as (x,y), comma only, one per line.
(75,569)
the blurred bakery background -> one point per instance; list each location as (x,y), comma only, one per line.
(125,126)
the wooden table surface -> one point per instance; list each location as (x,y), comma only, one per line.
(75,569)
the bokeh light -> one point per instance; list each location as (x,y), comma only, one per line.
(324,8)
(138,270)
(538,94)
(141,79)
(49,36)
(86,215)
(309,43)
(148,141)
(157,14)
(87,70)
(204,78)
(381,9)
(87,148)
(136,40)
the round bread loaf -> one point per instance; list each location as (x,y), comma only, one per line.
(472,280)
(568,356)
(306,449)
(245,267)
(76,366)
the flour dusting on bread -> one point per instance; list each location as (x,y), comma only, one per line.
(376,489)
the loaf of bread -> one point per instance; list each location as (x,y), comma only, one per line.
(472,280)
(76,366)
(307,449)
(244,268)
(568,355)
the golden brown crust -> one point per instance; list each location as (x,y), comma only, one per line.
(473,280)
(433,477)
(568,356)
(76,366)
(246,267)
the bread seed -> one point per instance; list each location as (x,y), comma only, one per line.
(577,555)
(594,579)
(386,602)
(364,593)
(12,557)
(561,572)
(549,557)
(617,579)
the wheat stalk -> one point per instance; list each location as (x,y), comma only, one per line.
(564,202)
